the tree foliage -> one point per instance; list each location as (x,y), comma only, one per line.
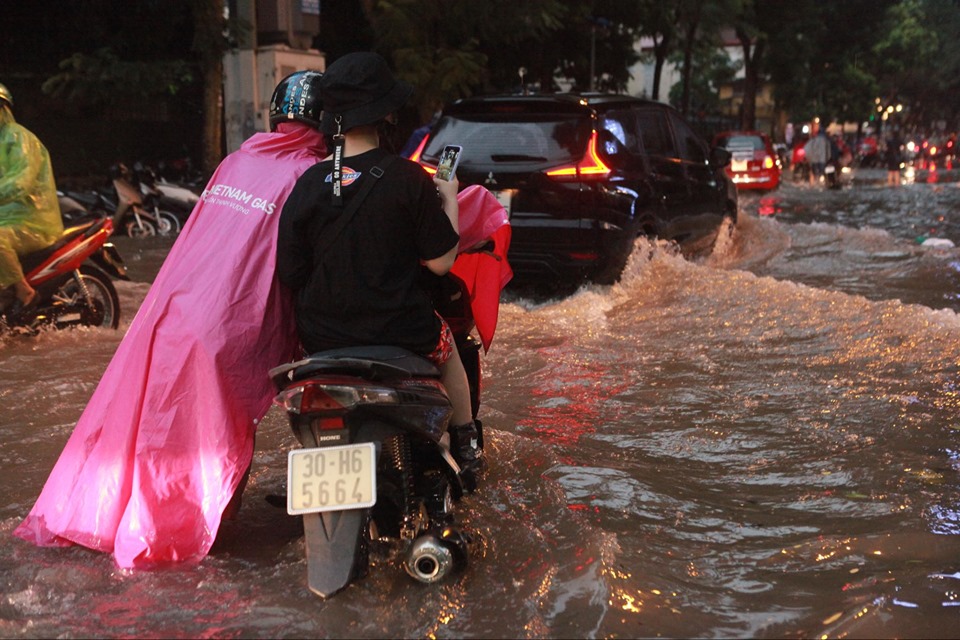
(100,77)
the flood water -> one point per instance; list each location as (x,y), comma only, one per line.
(762,443)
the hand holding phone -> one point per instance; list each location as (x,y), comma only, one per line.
(449,159)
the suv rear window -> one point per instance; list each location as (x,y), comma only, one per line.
(535,138)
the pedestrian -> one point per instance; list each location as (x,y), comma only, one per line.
(817,152)
(365,287)
(892,158)
(29,209)
(160,454)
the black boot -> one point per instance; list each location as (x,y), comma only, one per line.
(466,445)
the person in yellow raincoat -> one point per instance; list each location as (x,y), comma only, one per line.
(29,211)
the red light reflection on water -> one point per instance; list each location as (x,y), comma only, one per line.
(569,406)
(769,206)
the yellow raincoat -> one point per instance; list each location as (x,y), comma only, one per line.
(29,212)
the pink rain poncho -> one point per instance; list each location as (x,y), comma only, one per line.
(169,432)
(168,435)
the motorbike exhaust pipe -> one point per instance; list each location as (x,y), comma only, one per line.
(429,560)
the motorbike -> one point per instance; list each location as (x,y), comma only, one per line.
(831,174)
(134,209)
(176,199)
(798,162)
(137,212)
(375,466)
(72,278)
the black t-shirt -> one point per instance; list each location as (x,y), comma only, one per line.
(364,289)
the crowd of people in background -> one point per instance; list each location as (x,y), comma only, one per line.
(809,153)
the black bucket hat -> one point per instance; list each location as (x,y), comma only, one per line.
(360,89)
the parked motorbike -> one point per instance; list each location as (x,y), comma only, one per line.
(138,213)
(83,206)
(176,199)
(73,282)
(375,467)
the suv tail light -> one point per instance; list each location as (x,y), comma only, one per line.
(590,167)
(415,156)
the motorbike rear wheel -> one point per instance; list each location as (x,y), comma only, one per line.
(167,223)
(142,229)
(72,307)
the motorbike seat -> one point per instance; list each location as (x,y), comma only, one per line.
(369,362)
(31,260)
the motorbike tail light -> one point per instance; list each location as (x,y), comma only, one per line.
(333,398)
(590,167)
(330,423)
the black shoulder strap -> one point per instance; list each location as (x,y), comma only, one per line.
(341,222)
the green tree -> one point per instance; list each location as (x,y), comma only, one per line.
(442,47)
(699,24)
(658,20)
(819,58)
(943,17)
(710,68)
(142,50)
(908,56)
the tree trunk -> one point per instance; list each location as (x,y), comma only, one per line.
(660,51)
(212,117)
(751,80)
(688,66)
(210,44)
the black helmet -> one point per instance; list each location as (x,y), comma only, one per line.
(6,96)
(297,97)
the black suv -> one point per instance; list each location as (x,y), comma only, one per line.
(583,175)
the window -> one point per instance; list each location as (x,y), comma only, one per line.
(752,143)
(517,138)
(620,140)
(691,148)
(655,133)
(622,125)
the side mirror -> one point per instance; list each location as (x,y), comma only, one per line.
(720,157)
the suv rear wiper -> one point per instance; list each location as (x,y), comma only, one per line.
(515,157)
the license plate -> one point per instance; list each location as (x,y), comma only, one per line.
(739,165)
(505,198)
(331,478)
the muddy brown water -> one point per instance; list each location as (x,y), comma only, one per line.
(762,443)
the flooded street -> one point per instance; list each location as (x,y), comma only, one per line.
(763,443)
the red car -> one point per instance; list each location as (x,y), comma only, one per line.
(754,163)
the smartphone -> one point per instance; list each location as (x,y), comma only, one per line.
(449,159)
